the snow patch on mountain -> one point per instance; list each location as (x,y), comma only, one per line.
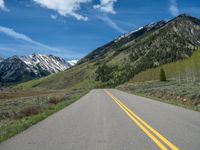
(49,63)
(147,27)
(127,34)
(72,62)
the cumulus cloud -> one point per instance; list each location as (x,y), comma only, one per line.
(174,10)
(19,36)
(2,5)
(106,6)
(71,7)
(64,7)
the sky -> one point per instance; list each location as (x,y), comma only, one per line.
(73,28)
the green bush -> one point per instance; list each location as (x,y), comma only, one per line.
(162,75)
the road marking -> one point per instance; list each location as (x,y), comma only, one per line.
(144,126)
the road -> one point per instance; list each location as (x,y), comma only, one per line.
(112,120)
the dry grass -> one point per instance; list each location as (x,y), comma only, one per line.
(19,113)
(185,94)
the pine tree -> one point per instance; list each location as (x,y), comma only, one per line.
(162,75)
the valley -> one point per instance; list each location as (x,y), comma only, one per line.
(40,85)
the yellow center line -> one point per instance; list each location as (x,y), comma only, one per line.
(144,126)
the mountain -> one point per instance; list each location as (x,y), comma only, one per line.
(118,61)
(155,38)
(123,40)
(14,69)
(49,63)
(24,68)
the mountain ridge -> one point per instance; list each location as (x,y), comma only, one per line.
(22,68)
(125,38)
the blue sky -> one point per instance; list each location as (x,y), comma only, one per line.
(72,28)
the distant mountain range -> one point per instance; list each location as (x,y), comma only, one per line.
(23,68)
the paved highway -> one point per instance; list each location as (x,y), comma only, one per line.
(112,120)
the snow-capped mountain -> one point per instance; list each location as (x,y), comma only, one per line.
(49,63)
(141,30)
(14,69)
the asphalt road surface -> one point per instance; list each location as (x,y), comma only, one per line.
(112,120)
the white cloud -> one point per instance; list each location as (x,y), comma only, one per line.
(174,10)
(71,7)
(19,36)
(106,6)
(2,5)
(64,7)
(111,23)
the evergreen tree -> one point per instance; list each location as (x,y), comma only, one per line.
(103,73)
(162,75)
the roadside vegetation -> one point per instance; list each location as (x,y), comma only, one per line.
(162,75)
(186,95)
(181,86)
(19,113)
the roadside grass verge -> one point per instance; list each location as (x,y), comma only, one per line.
(33,114)
(185,95)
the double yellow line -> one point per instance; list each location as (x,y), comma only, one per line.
(144,126)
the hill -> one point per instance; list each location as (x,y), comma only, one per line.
(121,59)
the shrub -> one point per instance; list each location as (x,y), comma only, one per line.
(162,75)
(54,100)
(29,111)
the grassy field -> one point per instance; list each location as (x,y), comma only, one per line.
(19,113)
(74,77)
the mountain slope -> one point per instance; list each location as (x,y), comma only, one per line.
(150,46)
(175,40)
(184,70)
(15,69)
(123,40)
